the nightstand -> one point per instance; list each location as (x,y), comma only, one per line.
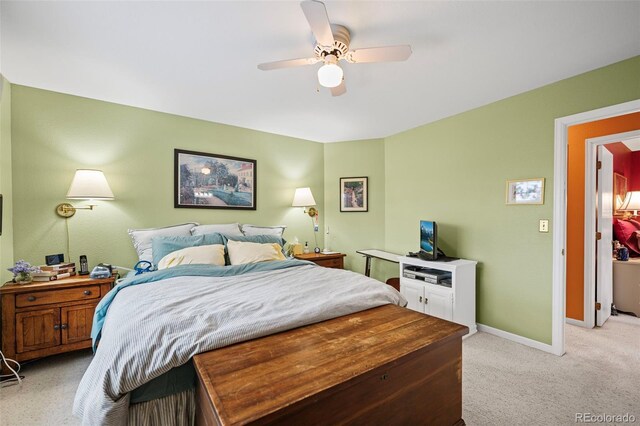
(47,318)
(333,260)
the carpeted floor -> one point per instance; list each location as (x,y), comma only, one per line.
(504,383)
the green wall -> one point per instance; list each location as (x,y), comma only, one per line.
(357,230)
(6,239)
(454,170)
(54,134)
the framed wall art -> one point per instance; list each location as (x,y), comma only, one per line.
(214,181)
(354,194)
(525,191)
(619,192)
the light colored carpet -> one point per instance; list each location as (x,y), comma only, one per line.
(504,383)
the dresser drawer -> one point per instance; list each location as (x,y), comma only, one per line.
(37,298)
(330,263)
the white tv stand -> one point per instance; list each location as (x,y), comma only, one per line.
(456,303)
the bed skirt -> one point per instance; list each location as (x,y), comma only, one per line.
(174,410)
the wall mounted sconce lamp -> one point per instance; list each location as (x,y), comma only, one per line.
(86,185)
(304,198)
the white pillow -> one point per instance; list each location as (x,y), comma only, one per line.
(142,237)
(242,252)
(228,230)
(200,255)
(264,230)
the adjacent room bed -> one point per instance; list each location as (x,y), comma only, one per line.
(150,327)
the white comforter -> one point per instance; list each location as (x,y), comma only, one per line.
(154,327)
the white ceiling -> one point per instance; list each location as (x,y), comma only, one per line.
(632,144)
(198,59)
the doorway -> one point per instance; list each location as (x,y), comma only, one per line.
(559,286)
(599,216)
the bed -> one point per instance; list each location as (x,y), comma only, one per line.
(151,326)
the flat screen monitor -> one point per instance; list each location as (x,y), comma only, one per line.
(428,240)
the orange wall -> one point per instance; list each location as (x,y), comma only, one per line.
(575,201)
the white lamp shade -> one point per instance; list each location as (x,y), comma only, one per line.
(303,198)
(330,74)
(89,184)
(631,201)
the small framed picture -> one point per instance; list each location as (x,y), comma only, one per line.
(525,191)
(354,194)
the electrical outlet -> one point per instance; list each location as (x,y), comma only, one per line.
(315,228)
(544,225)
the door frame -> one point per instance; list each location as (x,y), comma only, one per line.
(590,194)
(561,139)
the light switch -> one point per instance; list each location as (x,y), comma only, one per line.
(544,225)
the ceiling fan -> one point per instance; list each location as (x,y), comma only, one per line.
(332,46)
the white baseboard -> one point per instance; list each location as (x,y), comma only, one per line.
(472,330)
(516,338)
(576,322)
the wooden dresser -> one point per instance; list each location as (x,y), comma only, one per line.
(333,260)
(41,319)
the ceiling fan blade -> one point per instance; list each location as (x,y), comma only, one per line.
(341,89)
(379,54)
(318,19)
(289,63)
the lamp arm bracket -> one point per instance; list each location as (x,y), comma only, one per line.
(67,210)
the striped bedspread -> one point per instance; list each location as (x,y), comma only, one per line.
(149,329)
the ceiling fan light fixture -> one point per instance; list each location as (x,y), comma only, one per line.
(330,74)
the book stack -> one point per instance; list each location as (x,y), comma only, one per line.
(54,272)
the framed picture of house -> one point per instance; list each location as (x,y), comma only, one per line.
(354,194)
(619,192)
(213,181)
(525,191)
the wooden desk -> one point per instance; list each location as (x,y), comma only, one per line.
(387,365)
(378,254)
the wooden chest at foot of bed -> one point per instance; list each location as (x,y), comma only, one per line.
(386,365)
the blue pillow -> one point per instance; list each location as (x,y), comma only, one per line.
(262,239)
(162,246)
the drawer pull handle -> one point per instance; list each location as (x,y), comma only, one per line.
(87,292)
(56,327)
(64,326)
(420,299)
(426,300)
(31,298)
